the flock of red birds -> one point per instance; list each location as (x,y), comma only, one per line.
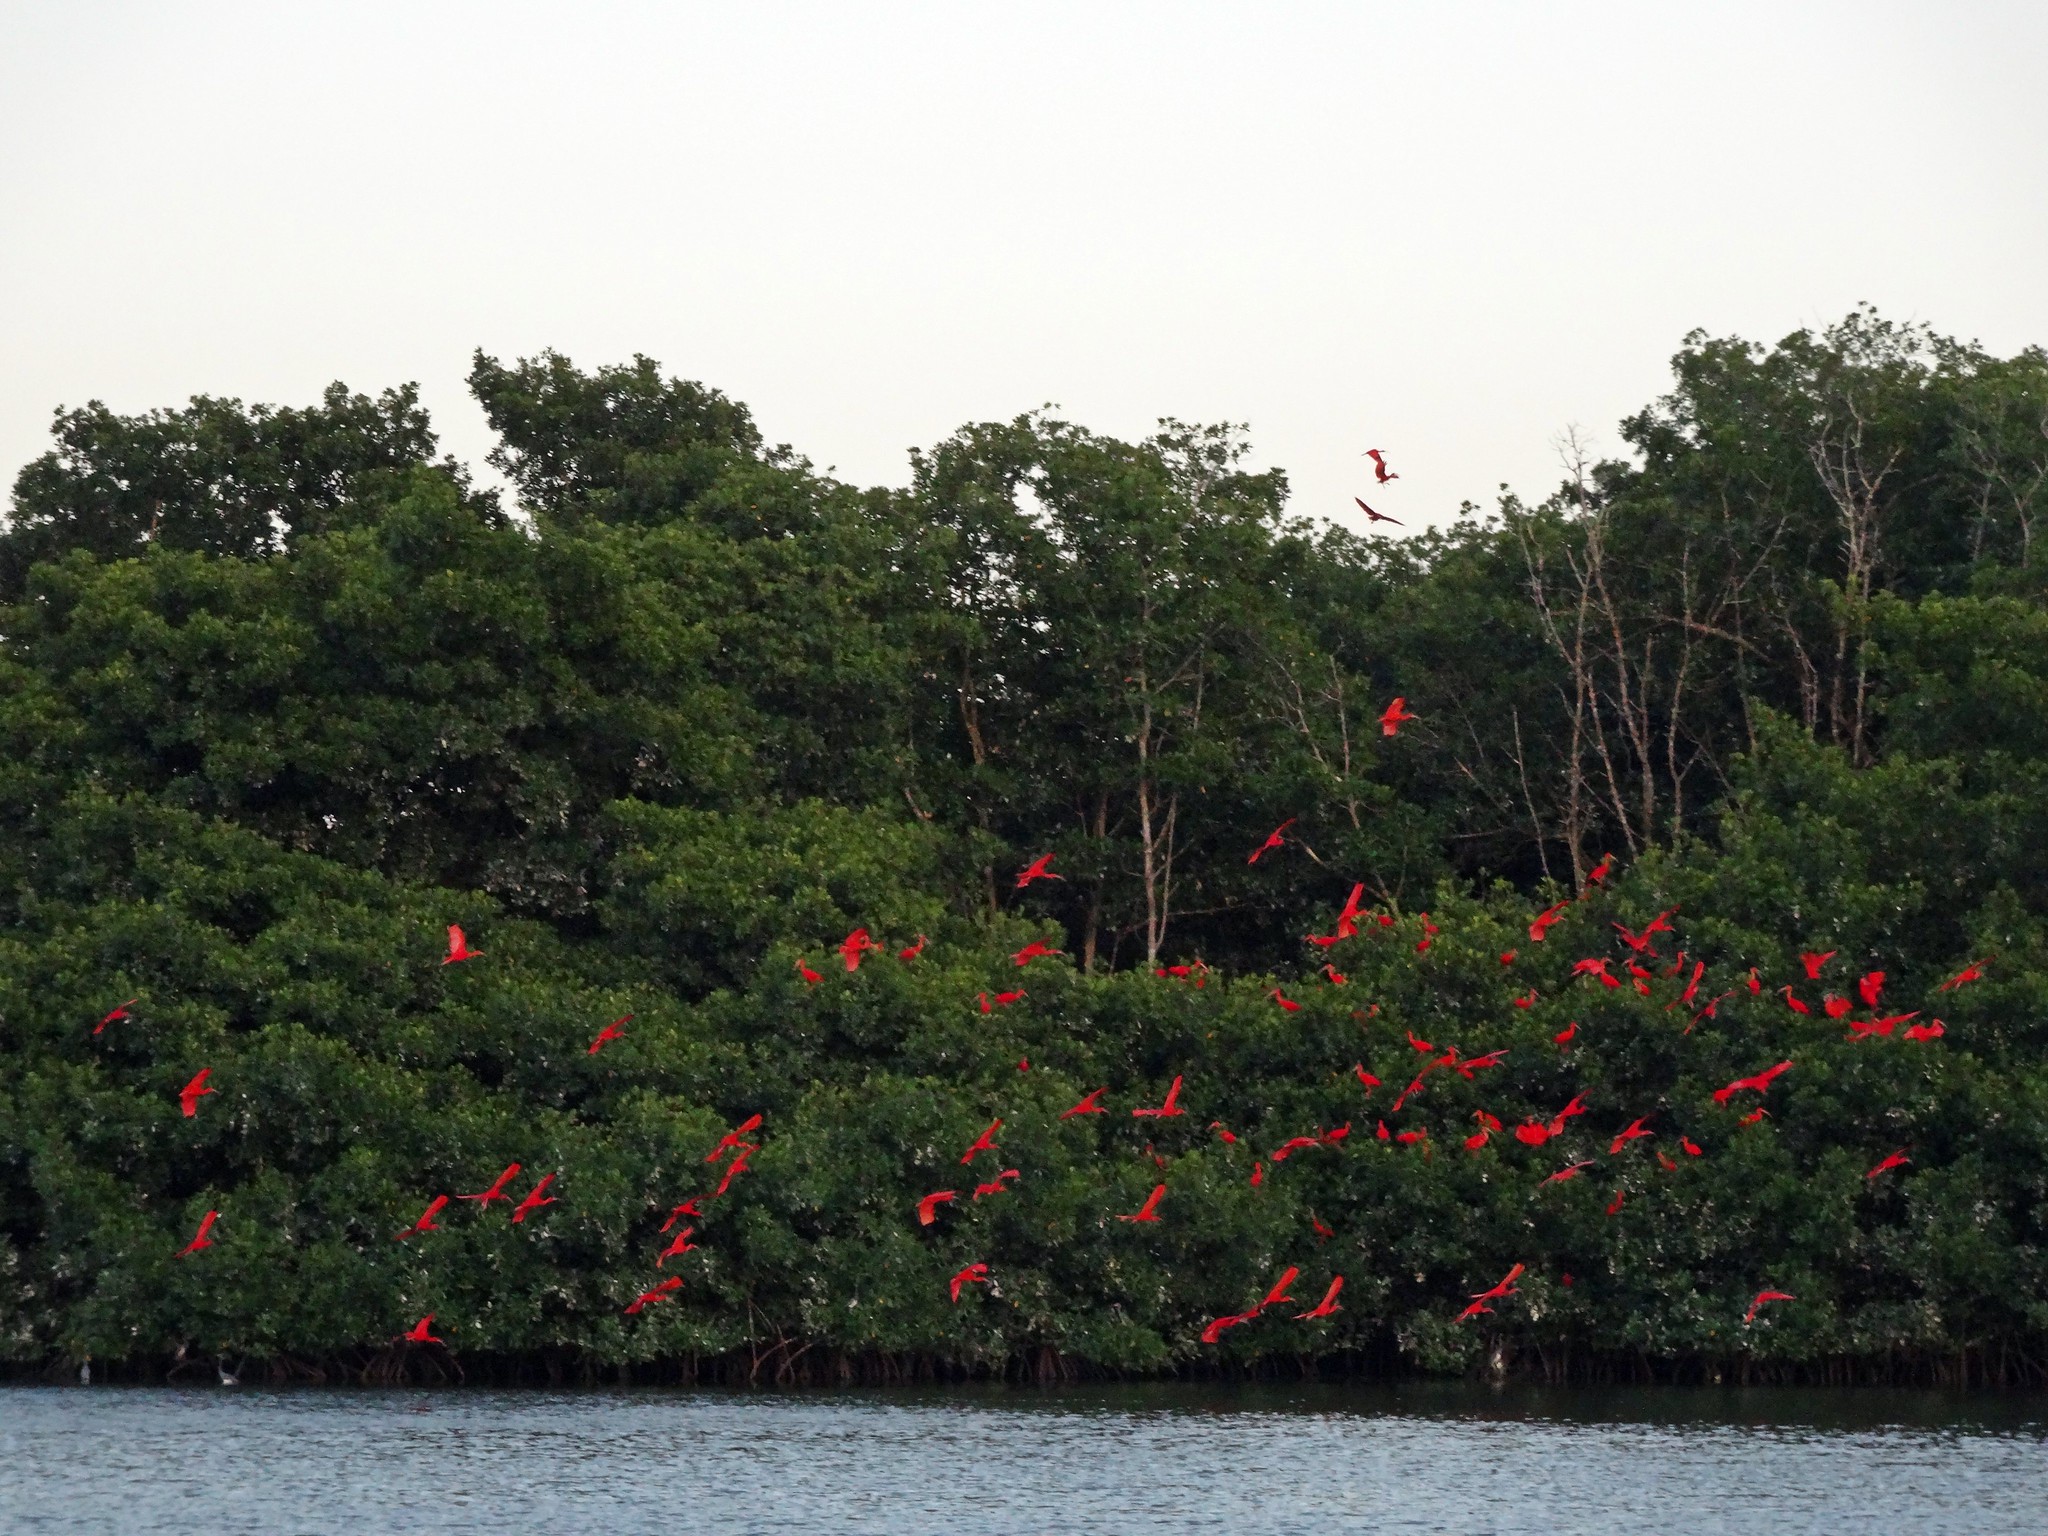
(1532,1133)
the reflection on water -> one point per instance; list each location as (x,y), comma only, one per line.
(1122,1460)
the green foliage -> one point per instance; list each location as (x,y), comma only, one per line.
(281,698)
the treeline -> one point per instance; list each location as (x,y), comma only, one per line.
(283,693)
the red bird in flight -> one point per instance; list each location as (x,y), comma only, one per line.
(1381,473)
(609,1033)
(664,1291)
(1277,838)
(1759,1083)
(1214,1331)
(973,1274)
(1571,1172)
(1038,869)
(1933,1030)
(1548,918)
(1600,871)
(497,1190)
(418,1333)
(928,1207)
(458,947)
(1393,717)
(854,945)
(1091,1104)
(1870,987)
(995,1186)
(676,1249)
(1814,962)
(1974,971)
(426,1222)
(1293,1144)
(1166,1110)
(1376,517)
(1037,949)
(535,1199)
(1634,1133)
(985,1142)
(734,1169)
(1149,1211)
(1278,1293)
(190,1095)
(1327,1307)
(688,1208)
(201,1240)
(1761,1298)
(1896,1160)
(119,1013)
(736,1137)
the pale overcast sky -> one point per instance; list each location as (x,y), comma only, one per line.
(1445,229)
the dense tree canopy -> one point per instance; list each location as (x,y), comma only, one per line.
(283,694)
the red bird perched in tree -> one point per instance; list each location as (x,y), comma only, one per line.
(1382,1133)
(1863,1029)
(1327,1307)
(811,977)
(1870,987)
(1563,1038)
(535,1199)
(1691,1147)
(664,1291)
(1037,949)
(610,1032)
(1292,1145)
(1477,1139)
(1376,517)
(1004,999)
(1337,977)
(190,1095)
(1429,931)
(1381,473)
(1755,985)
(1278,1293)
(1331,1138)
(1596,967)
(1422,1046)
(1364,1077)
(1393,717)
(1039,868)
(688,1208)
(1814,962)
(426,1221)
(854,945)
(1166,1110)
(1409,1138)
(1258,1174)
(119,1013)
(1323,1233)
(1527,1000)
(734,1169)
(1761,1298)
(1285,1001)
(928,1207)
(418,1334)
(1197,972)
(911,952)
(1792,1001)
(985,1142)
(676,1249)
(1896,1160)
(1149,1211)
(201,1240)
(458,947)
(973,1274)
(1834,1007)
(1277,838)
(1974,971)
(1635,1132)
(1571,1172)
(1666,1163)
(1614,1205)
(1223,1133)
(995,1185)
(736,1137)
(1600,871)
(497,1190)
(1548,918)
(1753,1116)
(1759,1083)
(1214,1331)
(1507,957)
(1091,1104)
(1933,1030)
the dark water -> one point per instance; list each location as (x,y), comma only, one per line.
(1458,1459)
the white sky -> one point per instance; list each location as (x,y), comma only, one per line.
(1443,229)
